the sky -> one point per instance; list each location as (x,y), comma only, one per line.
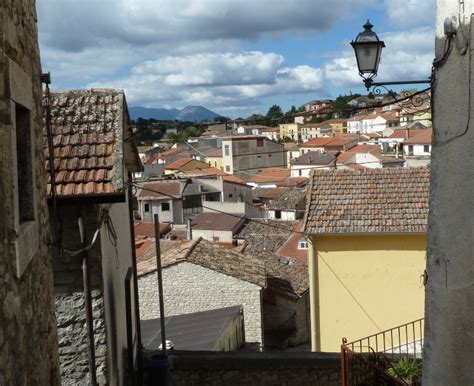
(235,57)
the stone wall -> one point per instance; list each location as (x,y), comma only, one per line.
(283,369)
(73,341)
(191,288)
(28,338)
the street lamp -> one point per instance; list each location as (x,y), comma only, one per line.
(368,50)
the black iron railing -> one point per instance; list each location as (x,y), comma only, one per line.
(375,356)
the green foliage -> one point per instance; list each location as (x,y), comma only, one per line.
(407,369)
(302,109)
(341,106)
(274,112)
(291,111)
(185,134)
(221,119)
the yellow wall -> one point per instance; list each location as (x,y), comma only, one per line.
(382,272)
(215,162)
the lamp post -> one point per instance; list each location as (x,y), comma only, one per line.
(368,51)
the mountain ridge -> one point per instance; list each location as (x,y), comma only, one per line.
(189,113)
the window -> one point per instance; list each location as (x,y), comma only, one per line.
(278,214)
(230,195)
(426,148)
(165,206)
(269,155)
(226,150)
(147,207)
(24,164)
(302,244)
(260,142)
(227,168)
(410,149)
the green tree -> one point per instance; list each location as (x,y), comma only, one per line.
(291,111)
(274,112)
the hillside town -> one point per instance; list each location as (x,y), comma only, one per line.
(301,247)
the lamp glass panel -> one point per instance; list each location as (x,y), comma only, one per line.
(368,56)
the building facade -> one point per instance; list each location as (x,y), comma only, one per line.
(28,335)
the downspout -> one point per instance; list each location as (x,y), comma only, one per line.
(87,296)
(135,278)
(313,295)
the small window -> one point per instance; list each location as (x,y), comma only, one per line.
(302,244)
(226,150)
(278,214)
(165,206)
(227,168)
(426,148)
(260,142)
(24,164)
(269,155)
(147,207)
(230,195)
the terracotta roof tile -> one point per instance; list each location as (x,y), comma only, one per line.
(270,175)
(368,201)
(422,137)
(87,130)
(161,189)
(216,221)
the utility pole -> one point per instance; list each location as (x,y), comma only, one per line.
(449,322)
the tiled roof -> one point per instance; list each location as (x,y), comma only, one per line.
(161,189)
(91,139)
(216,221)
(285,275)
(266,235)
(210,255)
(317,142)
(178,163)
(315,158)
(291,199)
(147,229)
(214,153)
(404,133)
(368,201)
(423,137)
(290,247)
(269,193)
(293,181)
(270,175)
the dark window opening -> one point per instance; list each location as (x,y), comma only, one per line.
(426,148)
(165,206)
(147,207)
(24,164)
(260,142)
(278,214)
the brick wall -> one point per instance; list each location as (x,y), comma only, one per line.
(277,368)
(191,288)
(28,339)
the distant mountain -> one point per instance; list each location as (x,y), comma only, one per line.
(147,113)
(189,113)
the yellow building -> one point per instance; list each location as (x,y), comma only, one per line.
(290,130)
(214,158)
(366,252)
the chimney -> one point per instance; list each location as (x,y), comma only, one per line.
(190,230)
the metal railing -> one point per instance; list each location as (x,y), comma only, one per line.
(367,361)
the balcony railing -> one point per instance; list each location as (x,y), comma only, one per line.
(372,358)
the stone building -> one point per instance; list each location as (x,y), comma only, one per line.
(28,339)
(199,275)
(94,156)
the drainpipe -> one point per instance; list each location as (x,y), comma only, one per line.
(313,295)
(87,297)
(135,279)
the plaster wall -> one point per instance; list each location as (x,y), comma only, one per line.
(383,272)
(449,343)
(191,288)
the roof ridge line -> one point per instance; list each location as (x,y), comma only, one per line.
(191,248)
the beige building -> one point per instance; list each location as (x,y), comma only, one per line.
(28,336)
(248,154)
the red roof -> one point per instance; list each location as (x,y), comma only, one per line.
(147,229)
(423,137)
(317,142)
(216,221)
(271,175)
(214,153)
(161,188)
(404,133)
(290,247)
(178,163)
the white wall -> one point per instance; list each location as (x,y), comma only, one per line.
(286,215)
(191,288)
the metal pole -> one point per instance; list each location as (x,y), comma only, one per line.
(87,299)
(160,282)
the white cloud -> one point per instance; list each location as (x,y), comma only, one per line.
(408,56)
(227,79)
(411,13)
